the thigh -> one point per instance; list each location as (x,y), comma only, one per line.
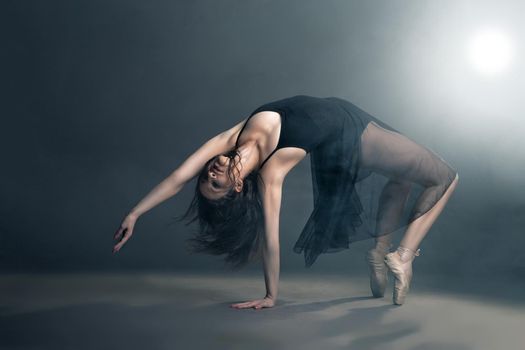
(396,156)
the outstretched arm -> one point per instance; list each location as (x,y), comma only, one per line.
(172,184)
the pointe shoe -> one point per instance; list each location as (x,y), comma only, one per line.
(400,263)
(378,270)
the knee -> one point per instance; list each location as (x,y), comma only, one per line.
(446,181)
(454,182)
(455,178)
(442,179)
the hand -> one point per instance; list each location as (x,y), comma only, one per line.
(256,304)
(126,228)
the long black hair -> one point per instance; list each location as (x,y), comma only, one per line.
(233,224)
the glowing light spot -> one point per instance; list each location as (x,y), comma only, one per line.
(490,51)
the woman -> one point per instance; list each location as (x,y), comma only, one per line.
(369,180)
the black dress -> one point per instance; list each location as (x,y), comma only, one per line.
(368,179)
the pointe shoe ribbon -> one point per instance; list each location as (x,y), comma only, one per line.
(400,263)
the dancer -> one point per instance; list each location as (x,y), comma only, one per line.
(368,179)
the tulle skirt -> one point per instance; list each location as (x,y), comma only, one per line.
(369,181)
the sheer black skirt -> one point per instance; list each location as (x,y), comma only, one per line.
(369,181)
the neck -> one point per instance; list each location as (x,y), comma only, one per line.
(249,157)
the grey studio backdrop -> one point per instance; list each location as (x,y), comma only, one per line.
(101,100)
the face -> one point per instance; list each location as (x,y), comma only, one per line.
(215,183)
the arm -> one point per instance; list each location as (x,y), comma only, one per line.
(271,197)
(271,248)
(191,167)
(172,184)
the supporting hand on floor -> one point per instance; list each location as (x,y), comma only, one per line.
(256,304)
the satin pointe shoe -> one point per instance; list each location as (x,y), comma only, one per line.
(378,270)
(400,263)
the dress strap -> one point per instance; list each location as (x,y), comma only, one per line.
(281,132)
(242,129)
(261,108)
(271,154)
(237,143)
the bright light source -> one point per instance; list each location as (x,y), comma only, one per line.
(490,51)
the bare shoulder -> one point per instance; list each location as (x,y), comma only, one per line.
(263,122)
(279,165)
(258,123)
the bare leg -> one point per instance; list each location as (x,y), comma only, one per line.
(398,157)
(400,261)
(403,161)
(391,204)
(418,228)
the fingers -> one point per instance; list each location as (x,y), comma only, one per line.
(243,305)
(256,304)
(124,232)
(119,245)
(118,234)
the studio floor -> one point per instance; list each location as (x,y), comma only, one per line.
(191,311)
